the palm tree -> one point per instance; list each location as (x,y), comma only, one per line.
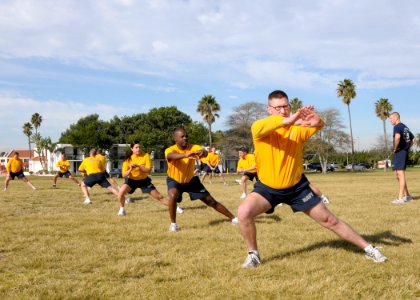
(382,110)
(347,90)
(208,108)
(36,120)
(27,130)
(295,103)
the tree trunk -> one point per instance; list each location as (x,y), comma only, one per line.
(210,140)
(386,148)
(351,139)
(29,144)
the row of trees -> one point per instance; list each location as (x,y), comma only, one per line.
(154,129)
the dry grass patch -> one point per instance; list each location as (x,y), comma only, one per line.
(54,247)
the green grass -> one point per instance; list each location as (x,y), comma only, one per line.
(54,247)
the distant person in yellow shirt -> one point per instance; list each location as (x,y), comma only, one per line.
(63,166)
(14,170)
(212,166)
(247,167)
(279,151)
(92,169)
(102,157)
(135,170)
(181,177)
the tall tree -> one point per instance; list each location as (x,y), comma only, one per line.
(208,108)
(27,130)
(347,91)
(36,121)
(382,109)
(295,104)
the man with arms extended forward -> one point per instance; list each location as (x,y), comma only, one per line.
(278,151)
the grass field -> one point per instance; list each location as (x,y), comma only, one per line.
(54,247)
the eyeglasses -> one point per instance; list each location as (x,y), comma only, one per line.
(280,107)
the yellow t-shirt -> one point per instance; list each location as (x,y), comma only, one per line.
(91,165)
(213,159)
(137,174)
(181,170)
(14,165)
(103,161)
(63,165)
(279,151)
(247,162)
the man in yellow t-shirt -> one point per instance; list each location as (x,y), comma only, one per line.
(14,169)
(212,166)
(247,167)
(102,157)
(181,158)
(92,168)
(279,143)
(63,166)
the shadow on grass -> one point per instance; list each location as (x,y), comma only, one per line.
(383,238)
(267,219)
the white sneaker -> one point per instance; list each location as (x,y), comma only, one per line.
(235,221)
(252,261)
(5,189)
(238,181)
(129,200)
(243,196)
(173,227)
(407,198)
(324,199)
(87,201)
(54,185)
(122,212)
(398,201)
(375,255)
(225,183)
(179,210)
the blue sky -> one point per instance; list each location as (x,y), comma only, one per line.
(67,59)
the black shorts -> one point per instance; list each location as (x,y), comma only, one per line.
(145,185)
(106,174)
(19,175)
(299,197)
(96,178)
(251,176)
(66,174)
(194,188)
(400,160)
(208,170)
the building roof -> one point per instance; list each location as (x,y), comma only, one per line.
(22,153)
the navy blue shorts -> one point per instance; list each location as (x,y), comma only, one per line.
(66,174)
(208,170)
(299,197)
(106,174)
(251,176)
(145,185)
(96,178)
(400,160)
(194,188)
(19,175)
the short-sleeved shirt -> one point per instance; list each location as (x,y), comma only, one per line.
(136,174)
(213,159)
(102,158)
(279,151)
(181,170)
(63,165)
(14,165)
(247,162)
(91,165)
(406,137)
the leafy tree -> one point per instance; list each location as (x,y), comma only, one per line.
(382,109)
(208,108)
(39,148)
(196,133)
(88,131)
(27,130)
(347,91)
(36,121)
(295,104)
